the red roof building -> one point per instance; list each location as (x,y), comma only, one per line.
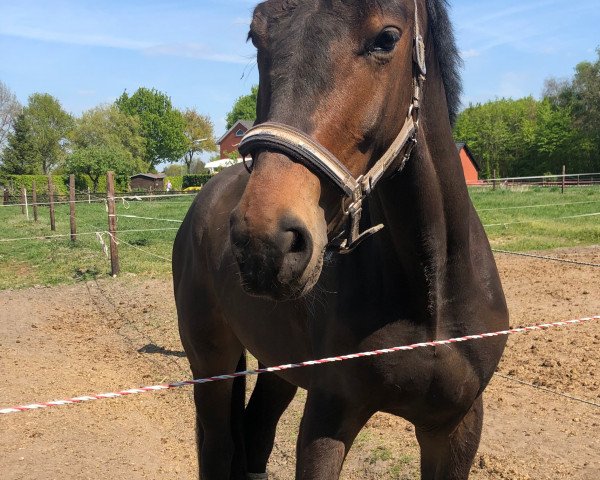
(470,166)
(229,142)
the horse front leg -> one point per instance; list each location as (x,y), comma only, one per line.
(328,429)
(447,454)
(270,398)
(219,424)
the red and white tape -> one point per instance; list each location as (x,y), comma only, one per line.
(156,388)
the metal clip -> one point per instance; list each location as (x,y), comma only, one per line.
(346,248)
(248,167)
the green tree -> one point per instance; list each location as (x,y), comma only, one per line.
(586,97)
(516,137)
(48,126)
(95,160)
(199,132)
(107,125)
(104,138)
(16,157)
(244,108)
(198,167)
(9,110)
(162,125)
(483,127)
(555,138)
(530,137)
(175,170)
(580,97)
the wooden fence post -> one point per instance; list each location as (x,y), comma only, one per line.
(112,223)
(89,197)
(23,200)
(494,180)
(51,204)
(6,197)
(72,207)
(563,178)
(34,201)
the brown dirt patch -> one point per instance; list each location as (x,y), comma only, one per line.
(103,336)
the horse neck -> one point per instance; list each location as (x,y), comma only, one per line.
(426,210)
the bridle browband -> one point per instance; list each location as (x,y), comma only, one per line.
(302,148)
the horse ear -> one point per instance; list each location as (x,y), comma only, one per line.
(258,27)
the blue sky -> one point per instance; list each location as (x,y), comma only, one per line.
(87,52)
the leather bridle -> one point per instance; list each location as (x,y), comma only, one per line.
(300,147)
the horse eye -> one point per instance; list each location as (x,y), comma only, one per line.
(386,41)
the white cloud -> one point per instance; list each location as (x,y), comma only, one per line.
(512,11)
(194,50)
(532,27)
(187,50)
(471,53)
(73,38)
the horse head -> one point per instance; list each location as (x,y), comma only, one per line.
(343,74)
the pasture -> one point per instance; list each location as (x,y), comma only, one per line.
(529,218)
(57,260)
(67,329)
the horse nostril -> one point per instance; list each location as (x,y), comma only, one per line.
(295,238)
(298,242)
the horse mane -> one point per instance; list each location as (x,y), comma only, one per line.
(448,56)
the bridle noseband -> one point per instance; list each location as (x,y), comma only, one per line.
(302,148)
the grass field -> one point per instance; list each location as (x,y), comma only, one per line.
(58,260)
(23,263)
(552,220)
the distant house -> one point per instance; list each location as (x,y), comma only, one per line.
(229,142)
(470,166)
(218,165)
(148,181)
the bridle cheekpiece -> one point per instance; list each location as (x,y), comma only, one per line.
(300,147)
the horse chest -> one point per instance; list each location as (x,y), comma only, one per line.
(402,382)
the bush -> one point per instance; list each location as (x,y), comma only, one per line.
(14,183)
(195,180)
(176,182)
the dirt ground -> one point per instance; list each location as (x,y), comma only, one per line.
(103,336)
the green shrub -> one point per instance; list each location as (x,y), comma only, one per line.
(195,180)
(176,182)
(14,183)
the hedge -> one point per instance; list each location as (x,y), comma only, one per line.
(197,180)
(14,183)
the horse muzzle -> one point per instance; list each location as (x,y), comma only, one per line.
(276,263)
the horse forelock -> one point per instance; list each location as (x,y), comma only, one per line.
(299,35)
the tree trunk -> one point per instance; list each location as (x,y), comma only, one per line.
(188,159)
(95,181)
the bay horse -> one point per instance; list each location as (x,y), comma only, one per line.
(352,232)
